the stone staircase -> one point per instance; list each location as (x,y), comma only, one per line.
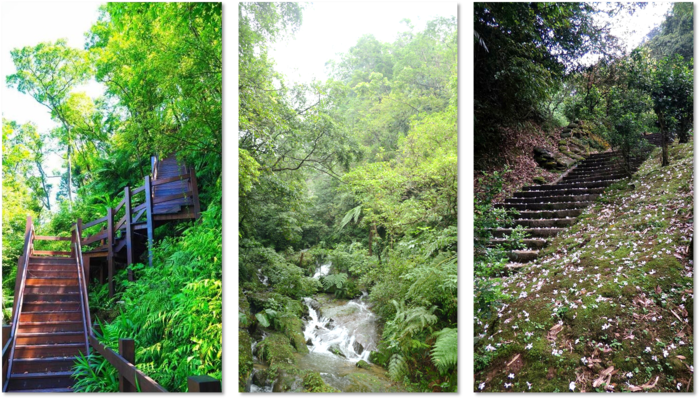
(547,210)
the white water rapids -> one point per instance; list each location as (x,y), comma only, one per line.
(341,335)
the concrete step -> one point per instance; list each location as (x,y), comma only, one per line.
(554,214)
(553,198)
(523,256)
(549,193)
(570,186)
(531,232)
(545,223)
(550,206)
(529,242)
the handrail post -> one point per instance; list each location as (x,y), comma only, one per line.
(149,218)
(129,237)
(126,350)
(203,383)
(110,250)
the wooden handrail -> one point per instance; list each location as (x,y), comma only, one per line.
(82,283)
(19,296)
(126,369)
(52,238)
(5,345)
(137,190)
(95,237)
(94,222)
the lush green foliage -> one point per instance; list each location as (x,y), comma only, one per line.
(173,311)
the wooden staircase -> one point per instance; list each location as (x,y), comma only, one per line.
(49,322)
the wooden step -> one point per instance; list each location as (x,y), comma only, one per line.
(39,298)
(44,306)
(53,273)
(52,267)
(49,326)
(53,364)
(66,337)
(40,381)
(50,316)
(51,289)
(51,260)
(33,351)
(52,281)
(43,390)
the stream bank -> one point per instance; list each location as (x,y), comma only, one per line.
(327,349)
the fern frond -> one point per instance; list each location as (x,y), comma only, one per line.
(444,353)
(353,213)
(337,280)
(397,367)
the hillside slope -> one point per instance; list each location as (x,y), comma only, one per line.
(609,304)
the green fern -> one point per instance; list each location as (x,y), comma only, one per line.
(397,367)
(353,213)
(410,321)
(444,353)
(334,280)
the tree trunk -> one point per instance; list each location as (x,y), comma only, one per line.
(70,178)
(371,233)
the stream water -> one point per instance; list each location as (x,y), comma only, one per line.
(340,333)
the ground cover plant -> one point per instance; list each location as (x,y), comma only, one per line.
(609,306)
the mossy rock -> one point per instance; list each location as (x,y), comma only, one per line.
(276,349)
(539,180)
(363,365)
(292,327)
(562,142)
(245,359)
(360,382)
(334,349)
(314,383)
(380,356)
(563,148)
(288,382)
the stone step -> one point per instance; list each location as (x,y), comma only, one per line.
(549,193)
(531,232)
(550,206)
(545,222)
(553,198)
(569,186)
(547,214)
(529,242)
(523,256)
(575,179)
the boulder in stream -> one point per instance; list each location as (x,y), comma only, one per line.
(309,342)
(335,349)
(363,365)
(357,347)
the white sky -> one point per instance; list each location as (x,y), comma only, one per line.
(633,29)
(27,24)
(330,28)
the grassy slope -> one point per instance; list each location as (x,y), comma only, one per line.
(618,281)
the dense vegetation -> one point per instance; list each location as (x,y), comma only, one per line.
(360,170)
(534,85)
(161,65)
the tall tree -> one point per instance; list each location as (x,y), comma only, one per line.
(48,72)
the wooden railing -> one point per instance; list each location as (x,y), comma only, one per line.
(141,212)
(129,376)
(8,350)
